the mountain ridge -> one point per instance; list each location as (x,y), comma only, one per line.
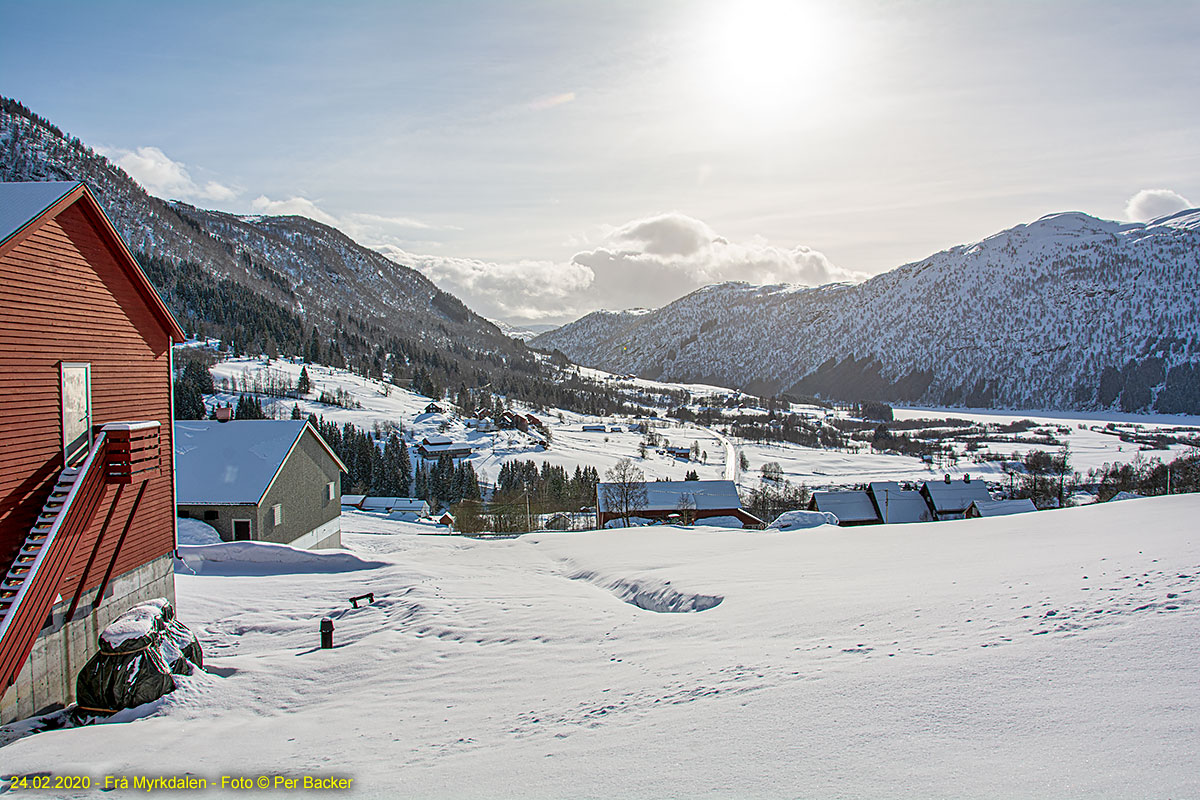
(1068,311)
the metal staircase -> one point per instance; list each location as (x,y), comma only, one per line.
(10,587)
(30,587)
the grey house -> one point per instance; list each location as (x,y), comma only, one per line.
(260,480)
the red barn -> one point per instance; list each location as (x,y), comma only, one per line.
(87,501)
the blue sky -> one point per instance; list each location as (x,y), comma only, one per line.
(542,159)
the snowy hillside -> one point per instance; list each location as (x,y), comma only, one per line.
(373,404)
(1050,656)
(307,273)
(1068,312)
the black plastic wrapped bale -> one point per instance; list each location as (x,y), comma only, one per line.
(140,652)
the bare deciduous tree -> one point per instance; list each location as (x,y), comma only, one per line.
(626,490)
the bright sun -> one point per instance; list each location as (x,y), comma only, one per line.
(772,54)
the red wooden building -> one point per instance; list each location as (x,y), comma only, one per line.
(87,501)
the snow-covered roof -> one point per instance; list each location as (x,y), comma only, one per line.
(446,447)
(352,499)
(226,463)
(666,495)
(999,508)
(849,506)
(21,203)
(413,504)
(436,439)
(899,505)
(955,496)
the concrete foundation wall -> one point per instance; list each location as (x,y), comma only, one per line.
(47,681)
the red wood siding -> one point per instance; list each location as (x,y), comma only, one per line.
(66,295)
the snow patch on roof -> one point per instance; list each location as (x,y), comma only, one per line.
(230,462)
(22,202)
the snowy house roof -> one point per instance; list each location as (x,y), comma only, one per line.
(352,499)
(849,507)
(899,505)
(666,495)
(449,448)
(436,439)
(411,504)
(234,463)
(955,496)
(22,203)
(1000,508)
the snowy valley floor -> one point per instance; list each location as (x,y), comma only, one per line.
(1045,655)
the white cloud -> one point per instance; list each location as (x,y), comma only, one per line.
(293,206)
(1150,204)
(526,289)
(646,262)
(369,230)
(162,176)
(652,261)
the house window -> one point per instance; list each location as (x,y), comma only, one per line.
(209,516)
(329,492)
(277,514)
(185,514)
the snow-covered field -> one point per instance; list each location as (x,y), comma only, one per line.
(571,446)
(1089,449)
(1046,655)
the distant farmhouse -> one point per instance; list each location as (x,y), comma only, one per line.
(408,509)
(677,501)
(434,447)
(260,480)
(951,499)
(87,505)
(850,507)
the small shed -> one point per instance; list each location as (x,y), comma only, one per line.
(260,480)
(999,508)
(850,507)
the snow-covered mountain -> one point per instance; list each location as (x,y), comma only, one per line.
(313,271)
(1068,312)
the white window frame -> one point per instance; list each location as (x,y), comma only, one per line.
(79,452)
(277,514)
(329,492)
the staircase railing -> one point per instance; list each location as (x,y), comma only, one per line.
(37,581)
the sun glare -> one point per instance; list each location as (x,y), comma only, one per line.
(772,55)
